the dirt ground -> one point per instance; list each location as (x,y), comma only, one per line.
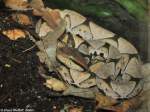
(21,86)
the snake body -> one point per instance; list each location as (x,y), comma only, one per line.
(91,56)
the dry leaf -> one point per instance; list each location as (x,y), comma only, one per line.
(126,106)
(55,84)
(37,4)
(22,19)
(44,29)
(76,109)
(52,17)
(16,4)
(14,34)
(50,42)
(58,25)
(72,108)
(104,101)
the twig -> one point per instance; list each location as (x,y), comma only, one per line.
(29,49)
(18,61)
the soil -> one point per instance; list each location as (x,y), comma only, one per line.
(21,86)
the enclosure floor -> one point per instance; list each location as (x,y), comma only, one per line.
(21,86)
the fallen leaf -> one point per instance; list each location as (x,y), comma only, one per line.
(55,84)
(14,34)
(44,29)
(76,109)
(50,42)
(126,105)
(52,17)
(22,19)
(37,4)
(17,4)
(58,25)
(72,108)
(104,101)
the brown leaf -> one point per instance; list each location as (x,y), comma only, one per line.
(55,84)
(75,109)
(72,108)
(104,101)
(22,19)
(43,30)
(37,4)
(17,4)
(52,17)
(14,34)
(50,42)
(125,105)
